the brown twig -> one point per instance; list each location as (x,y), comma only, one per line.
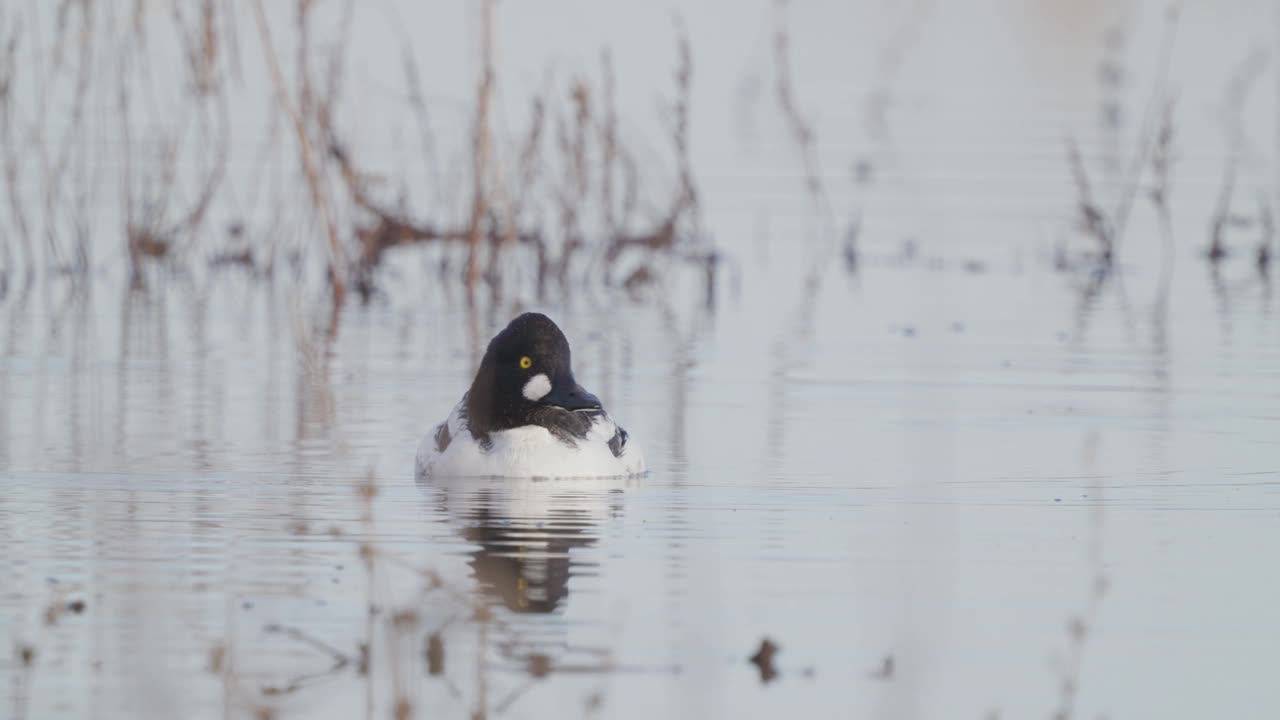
(1149,136)
(1107,227)
(481,146)
(1091,218)
(310,164)
(801,129)
(1221,219)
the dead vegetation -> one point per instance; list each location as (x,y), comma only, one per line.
(1148,171)
(1229,218)
(170,140)
(578,178)
(763,660)
(554,202)
(1105,219)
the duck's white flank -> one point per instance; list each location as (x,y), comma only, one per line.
(529,451)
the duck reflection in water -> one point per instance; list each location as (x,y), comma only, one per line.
(525,531)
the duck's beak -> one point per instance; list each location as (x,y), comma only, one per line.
(571,396)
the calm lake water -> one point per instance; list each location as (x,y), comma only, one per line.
(950,482)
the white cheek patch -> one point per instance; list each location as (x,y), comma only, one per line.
(537,387)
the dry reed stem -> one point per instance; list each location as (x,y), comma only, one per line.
(1149,135)
(310,164)
(572,139)
(664,237)
(1153,153)
(528,168)
(1091,217)
(1162,160)
(418,104)
(1238,91)
(8,67)
(1267,233)
(608,132)
(481,146)
(1081,626)
(687,199)
(898,45)
(801,131)
(54,171)
(1221,219)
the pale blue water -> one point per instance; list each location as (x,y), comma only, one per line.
(949,458)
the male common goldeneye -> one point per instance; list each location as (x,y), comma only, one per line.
(525,416)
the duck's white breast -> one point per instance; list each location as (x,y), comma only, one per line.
(530,451)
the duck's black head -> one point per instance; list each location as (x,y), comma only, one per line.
(526,378)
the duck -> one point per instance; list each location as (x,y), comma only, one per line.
(525,416)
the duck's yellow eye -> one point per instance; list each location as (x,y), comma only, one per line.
(526,362)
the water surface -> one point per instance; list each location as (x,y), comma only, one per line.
(947,481)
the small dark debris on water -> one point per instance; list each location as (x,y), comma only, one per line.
(246,605)
(242,258)
(908,250)
(974,266)
(763,659)
(539,665)
(435,654)
(908,331)
(404,619)
(217,656)
(27,655)
(75,607)
(640,278)
(850,257)
(863,171)
(885,671)
(1057,499)
(851,245)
